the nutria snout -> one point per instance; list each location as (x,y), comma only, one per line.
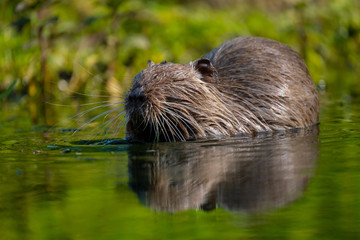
(244,86)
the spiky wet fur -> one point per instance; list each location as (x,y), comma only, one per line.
(256,85)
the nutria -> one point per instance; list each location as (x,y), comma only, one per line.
(244,86)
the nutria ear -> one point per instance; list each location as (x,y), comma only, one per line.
(150,63)
(204,66)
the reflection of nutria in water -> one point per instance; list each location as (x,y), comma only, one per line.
(246,85)
(238,174)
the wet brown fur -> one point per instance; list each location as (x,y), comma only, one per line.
(244,86)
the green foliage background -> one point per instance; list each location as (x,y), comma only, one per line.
(58,48)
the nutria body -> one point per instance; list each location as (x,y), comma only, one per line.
(244,86)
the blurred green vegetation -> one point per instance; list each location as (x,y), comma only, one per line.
(58,48)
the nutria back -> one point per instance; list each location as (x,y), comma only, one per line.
(244,86)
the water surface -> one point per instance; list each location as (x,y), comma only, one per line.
(302,184)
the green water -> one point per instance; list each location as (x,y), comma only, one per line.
(296,185)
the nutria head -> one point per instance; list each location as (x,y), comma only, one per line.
(177,102)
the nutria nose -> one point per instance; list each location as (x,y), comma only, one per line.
(137,96)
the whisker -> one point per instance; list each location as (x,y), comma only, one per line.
(120,124)
(96,117)
(99,128)
(78,115)
(118,118)
(175,129)
(188,124)
(76,119)
(110,121)
(84,104)
(171,129)
(92,95)
(158,125)
(161,125)
(153,119)
(109,101)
